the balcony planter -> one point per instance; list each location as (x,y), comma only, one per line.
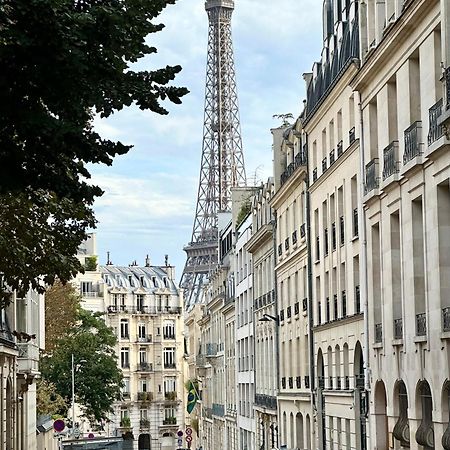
(125,422)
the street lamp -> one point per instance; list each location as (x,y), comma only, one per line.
(268,317)
(73,388)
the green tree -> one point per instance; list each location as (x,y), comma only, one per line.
(62,303)
(48,401)
(98,380)
(63,61)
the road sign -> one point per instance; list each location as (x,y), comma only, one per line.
(91,436)
(76,433)
(179,433)
(59,425)
(188,431)
(180,442)
(188,438)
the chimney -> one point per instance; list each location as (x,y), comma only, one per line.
(147,261)
(108,260)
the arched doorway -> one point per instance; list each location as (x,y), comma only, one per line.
(360,397)
(144,442)
(401,428)
(299,420)
(424,408)
(446,414)
(381,422)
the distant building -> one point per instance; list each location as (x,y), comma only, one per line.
(144,307)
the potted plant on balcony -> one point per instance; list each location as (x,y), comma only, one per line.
(125,422)
(172,395)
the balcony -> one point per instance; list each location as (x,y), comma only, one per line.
(291,382)
(282,315)
(357,300)
(303,230)
(346,382)
(330,382)
(333,236)
(421,324)
(171,396)
(340,149)
(341,230)
(280,250)
(168,365)
(145,339)
(298,382)
(305,304)
(211,349)
(344,303)
(267,401)
(28,359)
(372,179)
(359,381)
(144,423)
(145,396)
(145,367)
(200,361)
(301,159)
(325,240)
(170,421)
(398,328)
(288,312)
(321,382)
(413,142)
(294,237)
(218,409)
(306,381)
(352,135)
(314,175)
(324,165)
(390,160)
(296,308)
(283,383)
(286,244)
(436,130)
(169,335)
(378,333)
(332,157)
(355,223)
(446,319)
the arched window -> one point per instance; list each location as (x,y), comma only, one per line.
(424,404)
(381,416)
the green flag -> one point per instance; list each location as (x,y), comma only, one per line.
(192,397)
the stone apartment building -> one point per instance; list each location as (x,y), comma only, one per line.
(260,246)
(404,83)
(291,282)
(22,336)
(143,305)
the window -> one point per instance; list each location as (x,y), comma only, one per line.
(124,358)
(142,356)
(169,358)
(170,384)
(124,332)
(86,288)
(142,331)
(143,385)
(126,386)
(169,329)
(140,302)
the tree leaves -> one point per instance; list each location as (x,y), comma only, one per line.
(64,61)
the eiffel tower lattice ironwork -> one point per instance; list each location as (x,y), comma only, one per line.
(222,164)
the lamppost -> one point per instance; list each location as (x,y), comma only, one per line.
(73,388)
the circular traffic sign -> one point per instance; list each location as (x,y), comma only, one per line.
(179,433)
(91,436)
(188,431)
(188,438)
(59,425)
(76,433)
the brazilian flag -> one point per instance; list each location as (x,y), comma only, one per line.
(192,395)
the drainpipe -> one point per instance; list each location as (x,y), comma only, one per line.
(363,266)
(310,303)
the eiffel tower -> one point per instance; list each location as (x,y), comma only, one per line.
(222,164)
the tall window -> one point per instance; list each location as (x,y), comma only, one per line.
(169,329)
(170,384)
(169,357)
(143,385)
(142,331)
(124,331)
(142,356)
(124,358)
(126,386)
(140,302)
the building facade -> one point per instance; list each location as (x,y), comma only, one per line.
(403,82)
(260,246)
(144,307)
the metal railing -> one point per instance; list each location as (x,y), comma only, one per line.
(303,230)
(378,332)
(352,135)
(372,179)
(324,165)
(340,148)
(266,400)
(359,381)
(341,230)
(298,382)
(357,300)
(435,129)
(332,157)
(346,382)
(283,383)
(288,312)
(145,396)
(390,160)
(294,237)
(344,303)
(413,141)
(398,328)
(280,249)
(168,365)
(306,381)
(282,315)
(355,223)
(305,304)
(325,239)
(296,308)
(291,382)
(321,382)
(446,319)
(286,244)
(421,324)
(333,236)
(211,349)
(314,175)
(144,367)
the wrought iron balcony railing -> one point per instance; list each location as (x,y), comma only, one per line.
(321,382)
(390,160)
(314,175)
(398,328)
(372,179)
(324,165)
(296,308)
(303,230)
(357,300)
(298,382)
(306,381)
(352,135)
(421,324)
(305,304)
(446,319)
(340,148)
(413,141)
(355,222)
(332,157)
(344,303)
(294,237)
(435,129)
(378,332)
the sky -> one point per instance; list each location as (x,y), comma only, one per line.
(150,194)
